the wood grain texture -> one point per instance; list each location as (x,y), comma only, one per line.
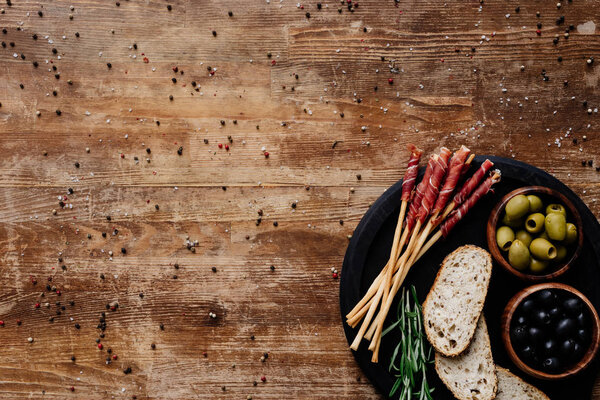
(313,93)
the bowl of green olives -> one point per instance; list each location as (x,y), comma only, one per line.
(535,233)
(550,330)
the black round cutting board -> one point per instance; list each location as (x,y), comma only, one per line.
(369,250)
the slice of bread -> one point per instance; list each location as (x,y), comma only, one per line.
(471,375)
(455,301)
(511,387)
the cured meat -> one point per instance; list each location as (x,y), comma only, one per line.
(433,186)
(416,202)
(464,208)
(454,172)
(408,183)
(471,183)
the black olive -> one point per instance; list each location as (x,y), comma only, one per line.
(551,364)
(549,347)
(547,297)
(566,348)
(519,335)
(528,354)
(573,306)
(554,313)
(582,320)
(535,335)
(565,327)
(577,350)
(541,317)
(582,335)
(521,320)
(527,306)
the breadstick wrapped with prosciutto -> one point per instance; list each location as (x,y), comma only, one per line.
(433,186)
(419,192)
(455,169)
(471,183)
(464,208)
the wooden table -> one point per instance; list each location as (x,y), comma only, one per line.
(287,114)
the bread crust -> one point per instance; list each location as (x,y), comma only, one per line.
(430,335)
(537,391)
(448,383)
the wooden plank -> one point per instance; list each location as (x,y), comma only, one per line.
(312,92)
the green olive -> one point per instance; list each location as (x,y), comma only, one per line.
(535,223)
(542,249)
(517,207)
(535,203)
(571,235)
(518,255)
(537,266)
(504,237)
(524,237)
(512,223)
(561,252)
(556,208)
(556,226)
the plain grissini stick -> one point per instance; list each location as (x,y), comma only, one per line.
(408,184)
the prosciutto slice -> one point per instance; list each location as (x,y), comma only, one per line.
(416,202)
(464,208)
(408,183)
(454,172)
(433,186)
(471,183)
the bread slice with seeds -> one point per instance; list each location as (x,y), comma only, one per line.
(472,374)
(455,301)
(511,387)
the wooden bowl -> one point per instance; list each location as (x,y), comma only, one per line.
(509,311)
(545,193)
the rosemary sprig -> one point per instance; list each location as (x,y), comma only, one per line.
(413,354)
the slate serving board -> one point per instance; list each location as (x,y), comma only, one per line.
(369,250)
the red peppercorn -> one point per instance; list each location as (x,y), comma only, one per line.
(122,155)
(37,305)
(72,388)
(58,292)
(266,154)
(114,357)
(538,31)
(1,323)
(220,145)
(390,81)
(227,147)
(335,275)
(263,378)
(100,346)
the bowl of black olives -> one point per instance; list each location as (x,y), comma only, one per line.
(550,331)
(535,233)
